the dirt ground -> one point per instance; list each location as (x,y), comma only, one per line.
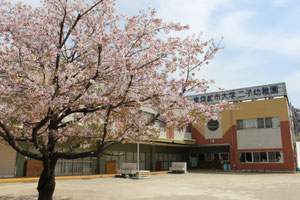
(204,186)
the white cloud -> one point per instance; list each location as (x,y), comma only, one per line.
(231,26)
(279,3)
(217,18)
(196,13)
(236,71)
(240,36)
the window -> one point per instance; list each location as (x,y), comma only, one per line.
(188,128)
(170,157)
(278,157)
(242,158)
(201,157)
(152,116)
(174,157)
(275,122)
(246,124)
(143,161)
(123,157)
(256,157)
(263,157)
(115,157)
(260,157)
(76,166)
(248,156)
(160,156)
(134,157)
(167,158)
(213,125)
(260,123)
(272,156)
(268,122)
(239,124)
(179,129)
(68,167)
(179,157)
(224,156)
(249,123)
(220,156)
(245,157)
(129,156)
(162,124)
(149,116)
(216,156)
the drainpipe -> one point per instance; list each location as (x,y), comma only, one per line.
(231,146)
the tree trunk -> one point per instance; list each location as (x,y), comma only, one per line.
(46,183)
(98,169)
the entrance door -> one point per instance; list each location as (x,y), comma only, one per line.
(194,160)
(7,161)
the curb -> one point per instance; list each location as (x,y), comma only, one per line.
(35,179)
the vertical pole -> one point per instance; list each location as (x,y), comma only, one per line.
(138,159)
(232,153)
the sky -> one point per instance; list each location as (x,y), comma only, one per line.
(261,38)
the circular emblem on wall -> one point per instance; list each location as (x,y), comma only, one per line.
(213,125)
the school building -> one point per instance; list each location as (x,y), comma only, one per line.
(256,136)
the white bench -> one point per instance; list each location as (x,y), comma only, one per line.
(178,167)
(131,169)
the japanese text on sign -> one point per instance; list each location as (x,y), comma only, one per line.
(265,91)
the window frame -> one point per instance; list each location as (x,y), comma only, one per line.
(240,123)
(243,153)
(219,156)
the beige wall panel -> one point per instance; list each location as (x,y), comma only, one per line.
(259,109)
(7,161)
(249,110)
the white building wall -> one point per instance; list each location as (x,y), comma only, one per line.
(265,138)
(213,134)
(181,135)
(163,134)
(298,153)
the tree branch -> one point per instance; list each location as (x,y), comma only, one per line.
(79,16)
(9,138)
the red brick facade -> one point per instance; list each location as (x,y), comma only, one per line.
(288,164)
(230,137)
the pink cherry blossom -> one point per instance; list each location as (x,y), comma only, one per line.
(80,73)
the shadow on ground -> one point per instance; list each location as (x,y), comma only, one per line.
(26,197)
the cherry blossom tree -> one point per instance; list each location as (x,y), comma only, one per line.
(79,74)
